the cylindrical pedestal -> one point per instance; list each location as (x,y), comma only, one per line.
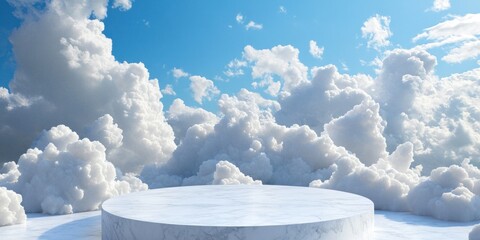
(238,212)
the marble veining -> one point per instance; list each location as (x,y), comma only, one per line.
(238,212)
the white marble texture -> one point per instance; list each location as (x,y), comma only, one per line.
(86,225)
(238,212)
(404,225)
(388,226)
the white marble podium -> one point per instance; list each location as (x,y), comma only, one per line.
(237,212)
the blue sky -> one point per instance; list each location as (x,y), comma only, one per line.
(202,37)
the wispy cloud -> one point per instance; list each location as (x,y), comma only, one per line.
(240,19)
(253,25)
(344,66)
(234,68)
(179,73)
(460,33)
(168,90)
(315,51)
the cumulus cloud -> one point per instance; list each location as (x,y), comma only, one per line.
(435,115)
(179,73)
(103,130)
(202,88)
(439,116)
(219,173)
(315,51)
(11,212)
(386,183)
(281,61)
(229,174)
(182,117)
(401,79)
(440,5)
(460,34)
(377,31)
(253,25)
(282,9)
(93,84)
(248,137)
(64,174)
(123,5)
(449,193)
(334,92)
(362,123)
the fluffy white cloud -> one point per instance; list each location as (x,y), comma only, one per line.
(11,212)
(253,25)
(124,5)
(64,174)
(401,80)
(281,61)
(282,9)
(328,95)
(248,137)
(314,50)
(202,88)
(219,173)
(105,131)
(377,31)
(386,182)
(461,34)
(182,117)
(361,124)
(440,5)
(93,84)
(439,116)
(449,193)
(436,115)
(179,73)
(228,174)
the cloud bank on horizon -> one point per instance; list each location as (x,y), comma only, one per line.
(90,127)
